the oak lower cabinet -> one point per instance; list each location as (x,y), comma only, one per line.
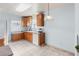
(17,36)
(1,42)
(39,39)
(28,36)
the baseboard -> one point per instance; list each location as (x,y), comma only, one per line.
(73,54)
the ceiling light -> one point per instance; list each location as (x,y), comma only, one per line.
(48,16)
(22,7)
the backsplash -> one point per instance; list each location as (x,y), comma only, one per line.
(16,26)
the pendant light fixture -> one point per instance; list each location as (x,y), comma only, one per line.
(48,16)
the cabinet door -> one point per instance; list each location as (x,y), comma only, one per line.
(40,19)
(28,36)
(41,38)
(17,36)
(24,22)
(1,42)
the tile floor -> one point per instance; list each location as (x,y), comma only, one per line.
(25,48)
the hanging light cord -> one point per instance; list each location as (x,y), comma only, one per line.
(49,16)
(48,9)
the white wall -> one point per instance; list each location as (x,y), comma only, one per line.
(9,17)
(77,19)
(60,30)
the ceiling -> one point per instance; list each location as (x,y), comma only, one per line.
(52,5)
(11,7)
(7,6)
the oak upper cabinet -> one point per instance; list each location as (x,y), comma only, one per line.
(28,36)
(26,20)
(40,19)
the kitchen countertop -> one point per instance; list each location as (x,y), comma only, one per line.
(20,32)
(28,31)
(24,31)
(16,32)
